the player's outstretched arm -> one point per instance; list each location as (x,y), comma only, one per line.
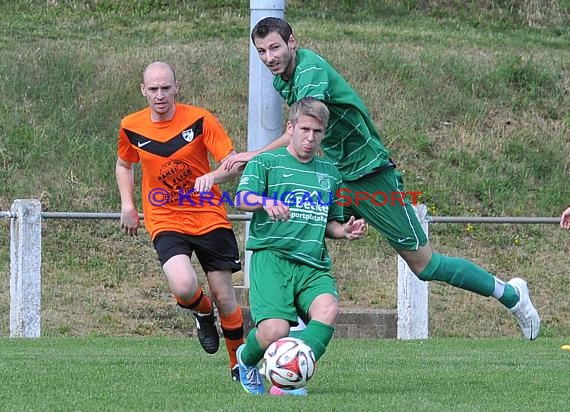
(244,157)
(220,175)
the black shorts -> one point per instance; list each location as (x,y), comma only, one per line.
(215,250)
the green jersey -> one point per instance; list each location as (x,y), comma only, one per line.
(351,142)
(308,189)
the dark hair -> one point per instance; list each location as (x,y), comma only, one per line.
(270,25)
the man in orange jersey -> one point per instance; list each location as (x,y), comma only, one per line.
(182,204)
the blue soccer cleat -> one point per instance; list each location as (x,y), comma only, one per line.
(249,376)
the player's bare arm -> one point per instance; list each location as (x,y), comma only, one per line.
(244,157)
(126,183)
(220,175)
(565,219)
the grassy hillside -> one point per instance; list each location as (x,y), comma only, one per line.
(472,99)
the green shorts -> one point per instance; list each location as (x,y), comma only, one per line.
(283,289)
(381,201)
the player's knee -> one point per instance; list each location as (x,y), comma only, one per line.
(419,261)
(270,330)
(185,287)
(186,293)
(426,277)
(225,300)
(325,309)
(429,269)
(328,316)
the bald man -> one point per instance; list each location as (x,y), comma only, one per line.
(183,206)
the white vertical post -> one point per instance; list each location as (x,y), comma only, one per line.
(412,294)
(25,268)
(264,121)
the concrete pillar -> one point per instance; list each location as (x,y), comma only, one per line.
(25,268)
(265,114)
(412,295)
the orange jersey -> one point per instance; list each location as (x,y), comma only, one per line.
(172,155)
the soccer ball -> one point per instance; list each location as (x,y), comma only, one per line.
(289,363)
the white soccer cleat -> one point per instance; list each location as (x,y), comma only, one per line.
(249,377)
(524,310)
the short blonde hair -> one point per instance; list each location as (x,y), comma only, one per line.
(309,106)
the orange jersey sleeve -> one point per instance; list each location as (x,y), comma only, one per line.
(172,155)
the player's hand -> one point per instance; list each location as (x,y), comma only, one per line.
(565,219)
(129,221)
(204,183)
(277,210)
(242,158)
(354,229)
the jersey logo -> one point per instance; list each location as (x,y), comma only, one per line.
(166,149)
(188,135)
(176,174)
(314,201)
(324,180)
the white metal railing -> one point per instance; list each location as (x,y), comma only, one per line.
(25,266)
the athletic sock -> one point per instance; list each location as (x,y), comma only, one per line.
(468,276)
(200,302)
(232,329)
(252,353)
(296,331)
(317,335)
(505,293)
(460,273)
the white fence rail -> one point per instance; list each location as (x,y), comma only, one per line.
(25,266)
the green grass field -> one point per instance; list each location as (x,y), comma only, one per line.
(171,374)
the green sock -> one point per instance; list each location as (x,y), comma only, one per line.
(296,333)
(317,335)
(510,297)
(252,353)
(459,273)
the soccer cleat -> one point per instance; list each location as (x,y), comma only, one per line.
(291,392)
(524,310)
(235,372)
(207,332)
(249,376)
